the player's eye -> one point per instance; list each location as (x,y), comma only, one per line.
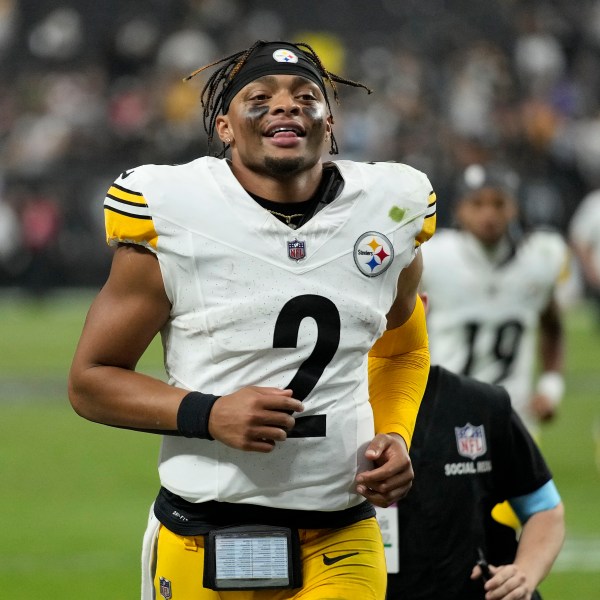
(306,96)
(259,97)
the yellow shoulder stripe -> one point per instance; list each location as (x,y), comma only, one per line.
(120,193)
(125,229)
(429,224)
(127,218)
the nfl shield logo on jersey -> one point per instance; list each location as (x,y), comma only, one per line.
(297,250)
(470,441)
(165,588)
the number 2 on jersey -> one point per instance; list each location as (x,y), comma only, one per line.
(285,335)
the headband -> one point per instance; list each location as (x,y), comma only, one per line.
(273,58)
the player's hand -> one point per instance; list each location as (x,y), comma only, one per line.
(393,474)
(508,582)
(542,407)
(253,418)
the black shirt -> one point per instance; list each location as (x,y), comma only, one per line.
(469,451)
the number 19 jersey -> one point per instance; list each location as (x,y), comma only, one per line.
(484,310)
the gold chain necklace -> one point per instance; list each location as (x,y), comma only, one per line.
(288,218)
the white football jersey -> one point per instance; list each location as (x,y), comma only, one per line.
(257,303)
(584,228)
(484,312)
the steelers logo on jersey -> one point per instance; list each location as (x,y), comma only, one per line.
(373,253)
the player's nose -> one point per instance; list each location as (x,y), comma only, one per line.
(285,102)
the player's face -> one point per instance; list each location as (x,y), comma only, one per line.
(487,214)
(278,125)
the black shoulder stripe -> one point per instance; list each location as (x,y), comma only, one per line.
(140,204)
(124,189)
(127,214)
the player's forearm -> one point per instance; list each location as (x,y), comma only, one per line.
(398,371)
(124,398)
(551,353)
(540,543)
(552,339)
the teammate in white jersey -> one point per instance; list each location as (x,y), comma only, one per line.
(584,235)
(493,314)
(270,277)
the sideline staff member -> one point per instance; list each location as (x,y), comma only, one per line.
(269,277)
(470,451)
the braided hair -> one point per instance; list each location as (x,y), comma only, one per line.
(213,92)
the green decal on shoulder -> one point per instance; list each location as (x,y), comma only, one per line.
(396,213)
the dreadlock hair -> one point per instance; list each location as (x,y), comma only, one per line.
(211,97)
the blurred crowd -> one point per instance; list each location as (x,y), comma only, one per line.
(89,89)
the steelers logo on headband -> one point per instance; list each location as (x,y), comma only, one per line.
(272,58)
(286,56)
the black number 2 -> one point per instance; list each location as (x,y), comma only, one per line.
(504,350)
(327,317)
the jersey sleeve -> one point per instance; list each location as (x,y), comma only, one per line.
(127,215)
(411,195)
(583,226)
(429,224)
(419,187)
(557,254)
(545,497)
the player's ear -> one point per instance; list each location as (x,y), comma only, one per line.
(329,128)
(223,129)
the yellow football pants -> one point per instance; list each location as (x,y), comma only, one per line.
(180,561)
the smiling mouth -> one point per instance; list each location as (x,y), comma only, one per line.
(285,132)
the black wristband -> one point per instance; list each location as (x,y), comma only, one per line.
(193,415)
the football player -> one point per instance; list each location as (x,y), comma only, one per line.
(491,286)
(585,241)
(270,275)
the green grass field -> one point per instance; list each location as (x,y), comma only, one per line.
(75,495)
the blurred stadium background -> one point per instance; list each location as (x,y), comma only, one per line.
(89,89)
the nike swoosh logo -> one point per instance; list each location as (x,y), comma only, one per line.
(126,174)
(334,559)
